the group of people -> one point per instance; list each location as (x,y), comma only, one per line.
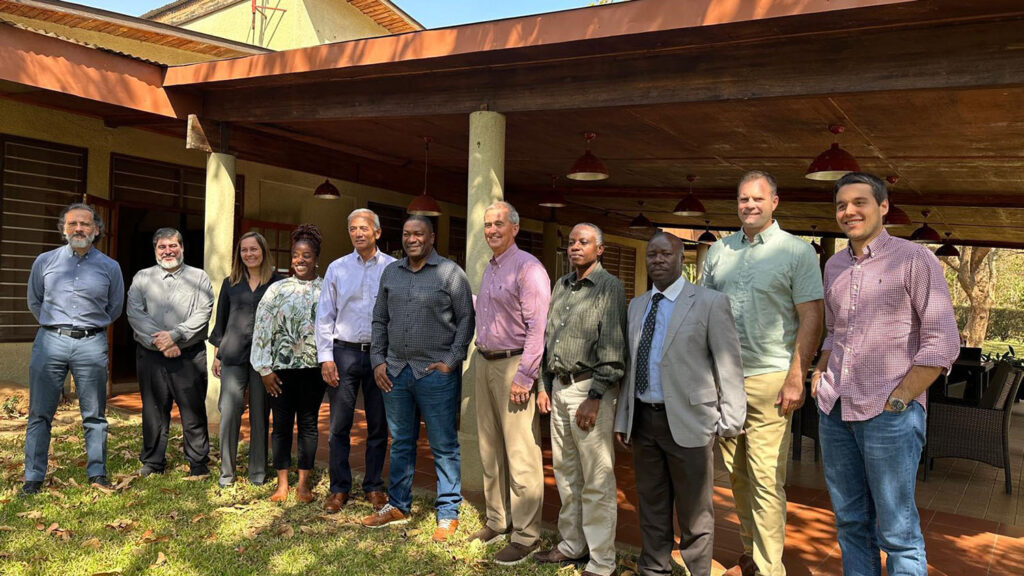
(679,369)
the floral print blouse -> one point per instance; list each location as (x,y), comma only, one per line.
(285,334)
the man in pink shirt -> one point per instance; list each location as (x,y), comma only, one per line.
(890,333)
(511,311)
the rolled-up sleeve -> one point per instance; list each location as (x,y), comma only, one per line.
(939,343)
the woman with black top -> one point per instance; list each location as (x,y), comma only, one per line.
(251,274)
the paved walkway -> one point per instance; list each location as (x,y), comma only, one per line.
(956,544)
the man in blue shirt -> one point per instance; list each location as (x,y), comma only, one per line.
(75,292)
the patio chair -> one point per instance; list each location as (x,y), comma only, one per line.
(976,432)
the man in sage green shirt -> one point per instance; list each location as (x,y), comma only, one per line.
(774,286)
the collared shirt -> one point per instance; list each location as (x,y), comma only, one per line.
(885,312)
(285,334)
(587,329)
(236,319)
(764,280)
(512,308)
(346,301)
(422,316)
(70,291)
(179,302)
(654,393)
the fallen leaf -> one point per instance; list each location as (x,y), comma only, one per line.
(196,478)
(31,514)
(211,538)
(72,439)
(146,534)
(109,573)
(72,482)
(169,491)
(122,524)
(40,527)
(52,527)
(285,530)
(414,532)
(8,529)
(93,543)
(198,517)
(124,482)
(240,549)
(160,560)
(306,529)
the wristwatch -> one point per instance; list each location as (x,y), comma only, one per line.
(896,405)
(594,394)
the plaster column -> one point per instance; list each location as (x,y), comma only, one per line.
(217,247)
(485,185)
(702,255)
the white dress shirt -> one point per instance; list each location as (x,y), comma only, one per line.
(345,311)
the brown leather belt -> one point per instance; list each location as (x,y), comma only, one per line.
(567,379)
(651,407)
(499,354)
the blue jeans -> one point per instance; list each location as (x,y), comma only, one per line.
(871,472)
(436,396)
(52,356)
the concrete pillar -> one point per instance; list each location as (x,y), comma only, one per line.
(702,255)
(551,246)
(485,185)
(217,248)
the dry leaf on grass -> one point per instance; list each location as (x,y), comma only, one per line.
(198,517)
(306,529)
(31,514)
(122,524)
(108,573)
(8,529)
(173,515)
(285,530)
(93,543)
(160,560)
(211,538)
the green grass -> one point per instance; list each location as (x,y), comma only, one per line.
(164,524)
(998,347)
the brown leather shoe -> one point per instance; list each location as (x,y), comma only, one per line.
(555,556)
(335,502)
(446,528)
(745,566)
(377,499)
(386,516)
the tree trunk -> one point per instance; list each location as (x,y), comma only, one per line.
(975,272)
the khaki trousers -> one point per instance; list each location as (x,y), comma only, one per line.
(584,463)
(756,462)
(509,438)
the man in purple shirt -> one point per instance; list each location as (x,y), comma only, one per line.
(890,333)
(511,311)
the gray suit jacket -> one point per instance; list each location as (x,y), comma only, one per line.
(701,371)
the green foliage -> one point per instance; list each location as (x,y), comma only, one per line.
(1003,323)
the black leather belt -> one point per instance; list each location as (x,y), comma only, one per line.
(499,354)
(651,407)
(353,345)
(75,333)
(567,379)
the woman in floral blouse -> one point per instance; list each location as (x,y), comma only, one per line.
(284,354)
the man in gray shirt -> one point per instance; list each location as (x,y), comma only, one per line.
(169,308)
(422,325)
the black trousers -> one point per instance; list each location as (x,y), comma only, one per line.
(302,392)
(355,373)
(163,381)
(668,474)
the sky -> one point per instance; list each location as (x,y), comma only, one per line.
(429,13)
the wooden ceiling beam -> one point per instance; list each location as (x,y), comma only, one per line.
(976,54)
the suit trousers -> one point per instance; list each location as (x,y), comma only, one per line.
(584,464)
(297,406)
(669,473)
(163,381)
(509,438)
(355,373)
(234,381)
(756,462)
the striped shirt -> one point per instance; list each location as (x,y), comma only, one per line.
(885,312)
(422,316)
(587,329)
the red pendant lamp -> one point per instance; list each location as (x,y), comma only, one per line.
(588,167)
(553,199)
(326,191)
(707,237)
(926,234)
(641,222)
(896,217)
(834,163)
(947,248)
(689,205)
(424,204)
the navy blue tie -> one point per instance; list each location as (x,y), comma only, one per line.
(643,352)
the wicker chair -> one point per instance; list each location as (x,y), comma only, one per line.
(976,432)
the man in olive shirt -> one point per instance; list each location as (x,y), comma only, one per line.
(773,283)
(584,359)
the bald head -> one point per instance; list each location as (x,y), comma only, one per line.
(664,259)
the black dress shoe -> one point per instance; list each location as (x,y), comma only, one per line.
(100,481)
(146,470)
(198,471)
(31,487)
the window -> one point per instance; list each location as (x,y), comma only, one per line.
(279,241)
(37,180)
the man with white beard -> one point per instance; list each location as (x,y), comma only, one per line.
(169,308)
(75,292)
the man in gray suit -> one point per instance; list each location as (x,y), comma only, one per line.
(683,387)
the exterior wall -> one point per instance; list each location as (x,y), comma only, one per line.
(305,23)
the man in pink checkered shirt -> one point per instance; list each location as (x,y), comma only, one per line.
(890,333)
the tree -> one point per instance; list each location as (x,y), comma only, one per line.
(976,273)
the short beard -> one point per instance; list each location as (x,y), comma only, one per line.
(80,243)
(169,265)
